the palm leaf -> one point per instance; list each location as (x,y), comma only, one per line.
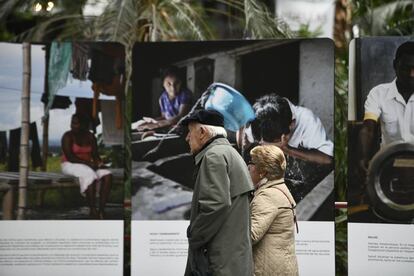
(52,25)
(9,6)
(375,21)
(259,23)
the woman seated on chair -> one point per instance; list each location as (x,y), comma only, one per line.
(80,158)
(272,214)
(175,101)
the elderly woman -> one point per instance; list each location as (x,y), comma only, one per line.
(272,214)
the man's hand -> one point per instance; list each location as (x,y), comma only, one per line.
(148,126)
(145,123)
(283,143)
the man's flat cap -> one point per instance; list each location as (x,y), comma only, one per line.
(205,117)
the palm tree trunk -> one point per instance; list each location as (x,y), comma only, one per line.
(24,139)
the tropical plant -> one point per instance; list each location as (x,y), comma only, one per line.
(370,17)
(129,21)
(384,17)
(341,146)
(341,35)
(259,23)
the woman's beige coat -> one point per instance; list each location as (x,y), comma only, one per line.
(272,230)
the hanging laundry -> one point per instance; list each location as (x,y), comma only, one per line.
(84,106)
(106,73)
(102,65)
(80,68)
(3,146)
(35,150)
(59,102)
(14,148)
(58,69)
(111,135)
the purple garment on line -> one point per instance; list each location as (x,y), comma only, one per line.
(170,108)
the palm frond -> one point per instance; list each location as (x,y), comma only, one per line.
(341,141)
(8,6)
(234,4)
(187,20)
(41,31)
(259,23)
(376,20)
(127,21)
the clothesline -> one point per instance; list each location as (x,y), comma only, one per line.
(64,92)
(19,90)
(37,121)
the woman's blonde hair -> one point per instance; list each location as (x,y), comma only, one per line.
(269,159)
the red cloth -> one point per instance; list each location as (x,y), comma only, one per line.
(82,152)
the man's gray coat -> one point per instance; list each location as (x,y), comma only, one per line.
(219,231)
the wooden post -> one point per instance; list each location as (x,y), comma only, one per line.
(45,122)
(8,203)
(45,141)
(24,138)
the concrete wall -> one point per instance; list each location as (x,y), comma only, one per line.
(227,70)
(316,80)
(190,77)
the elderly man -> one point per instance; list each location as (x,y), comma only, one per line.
(219,231)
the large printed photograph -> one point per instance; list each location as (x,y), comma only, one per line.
(269,92)
(380,129)
(61,131)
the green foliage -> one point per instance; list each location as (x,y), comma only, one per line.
(384,17)
(373,17)
(341,246)
(5,35)
(128,139)
(128,21)
(261,24)
(115,155)
(401,21)
(341,141)
(60,198)
(127,245)
(304,31)
(53,164)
